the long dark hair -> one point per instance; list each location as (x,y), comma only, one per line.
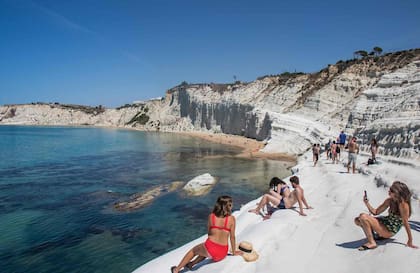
(275,181)
(223,206)
(402,194)
(375,143)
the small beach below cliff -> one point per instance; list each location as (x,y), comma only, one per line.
(251,148)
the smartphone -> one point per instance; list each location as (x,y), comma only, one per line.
(365,197)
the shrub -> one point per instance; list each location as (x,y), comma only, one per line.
(140,118)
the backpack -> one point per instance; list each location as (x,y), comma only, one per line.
(337,150)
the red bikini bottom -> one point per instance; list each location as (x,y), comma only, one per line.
(217,251)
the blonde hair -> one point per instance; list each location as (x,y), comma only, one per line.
(223,206)
(402,194)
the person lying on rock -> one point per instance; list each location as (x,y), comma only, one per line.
(399,204)
(285,202)
(221,227)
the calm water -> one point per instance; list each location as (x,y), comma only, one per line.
(57,187)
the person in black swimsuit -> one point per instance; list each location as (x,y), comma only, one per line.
(296,196)
(278,191)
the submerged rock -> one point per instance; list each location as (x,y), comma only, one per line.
(200,185)
(140,200)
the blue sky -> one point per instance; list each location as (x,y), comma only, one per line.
(112,52)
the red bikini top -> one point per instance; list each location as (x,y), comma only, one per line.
(213,221)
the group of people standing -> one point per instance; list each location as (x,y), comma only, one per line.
(333,150)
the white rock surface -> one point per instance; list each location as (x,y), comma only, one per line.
(200,185)
(327,238)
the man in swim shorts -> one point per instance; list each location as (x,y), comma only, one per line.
(353,151)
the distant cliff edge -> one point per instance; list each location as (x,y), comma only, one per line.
(376,96)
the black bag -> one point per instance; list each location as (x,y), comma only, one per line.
(370,161)
(337,150)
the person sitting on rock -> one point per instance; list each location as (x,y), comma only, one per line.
(296,196)
(221,227)
(278,190)
(399,204)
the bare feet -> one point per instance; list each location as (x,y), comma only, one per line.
(254,211)
(367,247)
(266,217)
(174,269)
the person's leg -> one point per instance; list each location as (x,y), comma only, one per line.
(199,250)
(354,166)
(357,221)
(275,194)
(265,199)
(197,260)
(349,163)
(369,224)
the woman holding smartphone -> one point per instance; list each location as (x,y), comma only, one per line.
(399,204)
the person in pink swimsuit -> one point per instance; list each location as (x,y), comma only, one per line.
(221,227)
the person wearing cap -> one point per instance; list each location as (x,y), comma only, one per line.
(221,228)
(353,151)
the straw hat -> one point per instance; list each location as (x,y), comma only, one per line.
(249,254)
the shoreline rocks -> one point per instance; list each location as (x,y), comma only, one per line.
(141,200)
(200,185)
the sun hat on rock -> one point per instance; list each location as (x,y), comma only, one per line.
(249,253)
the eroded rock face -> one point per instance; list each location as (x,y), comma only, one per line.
(390,112)
(200,185)
(290,111)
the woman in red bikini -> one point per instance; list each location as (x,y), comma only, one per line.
(221,227)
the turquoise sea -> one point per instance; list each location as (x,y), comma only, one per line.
(58,186)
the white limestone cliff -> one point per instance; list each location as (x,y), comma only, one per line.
(374,97)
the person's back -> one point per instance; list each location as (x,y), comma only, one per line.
(342,138)
(219,228)
(314,149)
